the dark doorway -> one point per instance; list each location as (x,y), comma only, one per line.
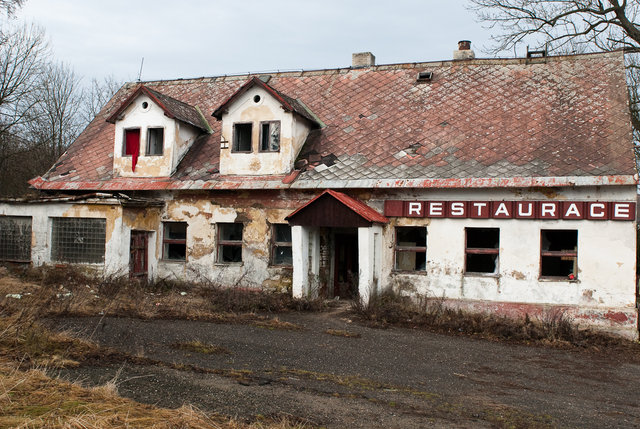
(138,258)
(345,278)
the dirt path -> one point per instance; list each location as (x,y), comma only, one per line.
(385,378)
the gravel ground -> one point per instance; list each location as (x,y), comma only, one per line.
(383,378)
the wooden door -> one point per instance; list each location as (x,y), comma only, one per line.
(139,259)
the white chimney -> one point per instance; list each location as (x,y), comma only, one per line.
(363,59)
(464,51)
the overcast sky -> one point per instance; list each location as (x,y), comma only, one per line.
(181,39)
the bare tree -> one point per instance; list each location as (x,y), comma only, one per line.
(10,6)
(97,95)
(562,25)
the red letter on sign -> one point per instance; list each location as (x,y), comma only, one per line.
(436,209)
(623,211)
(457,209)
(415,209)
(572,210)
(525,210)
(479,210)
(502,209)
(597,211)
(548,210)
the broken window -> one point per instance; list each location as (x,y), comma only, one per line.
(174,241)
(155,141)
(78,240)
(281,245)
(481,250)
(15,238)
(242,137)
(559,253)
(230,242)
(270,136)
(411,248)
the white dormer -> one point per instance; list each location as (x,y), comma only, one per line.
(152,134)
(262,130)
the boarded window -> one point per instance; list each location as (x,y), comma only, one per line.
(174,241)
(411,248)
(155,141)
(481,250)
(77,240)
(281,245)
(559,254)
(15,238)
(229,242)
(270,136)
(242,137)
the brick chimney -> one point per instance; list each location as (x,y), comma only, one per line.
(464,51)
(362,59)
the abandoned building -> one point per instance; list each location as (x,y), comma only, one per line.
(504,185)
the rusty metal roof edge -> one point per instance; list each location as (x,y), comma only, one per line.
(276,183)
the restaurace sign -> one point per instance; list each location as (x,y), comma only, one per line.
(568,210)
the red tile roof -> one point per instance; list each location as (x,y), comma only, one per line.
(496,122)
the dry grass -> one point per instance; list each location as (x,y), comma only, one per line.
(342,333)
(31,399)
(554,328)
(66,290)
(276,323)
(200,347)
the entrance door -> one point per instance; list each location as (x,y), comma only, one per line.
(345,279)
(138,258)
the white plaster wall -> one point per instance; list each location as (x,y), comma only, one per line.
(292,135)
(116,259)
(177,139)
(606,253)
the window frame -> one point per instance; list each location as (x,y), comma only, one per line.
(276,244)
(233,243)
(481,251)
(262,124)
(407,249)
(565,253)
(179,241)
(235,144)
(148,145)
(124,140)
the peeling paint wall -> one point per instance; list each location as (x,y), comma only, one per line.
(177,139)
(245,109)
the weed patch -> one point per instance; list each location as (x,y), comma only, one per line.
(342,333)
(554,328)
(200,347)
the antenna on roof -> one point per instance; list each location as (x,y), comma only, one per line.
(140,72)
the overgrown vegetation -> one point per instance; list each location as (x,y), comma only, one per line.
(554,328)
(69,290)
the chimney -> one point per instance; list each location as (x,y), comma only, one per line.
(464,51)
(362,59)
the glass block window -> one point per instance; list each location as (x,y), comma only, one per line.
(76,239)
(15,238)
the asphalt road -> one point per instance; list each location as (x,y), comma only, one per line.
(383,378)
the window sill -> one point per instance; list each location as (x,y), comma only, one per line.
(174,261)
(290,267)
(557,279)
(228,264)
(416,272)
(485,275)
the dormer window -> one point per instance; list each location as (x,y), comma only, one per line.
(242,137)
(270,136)
(155,141)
